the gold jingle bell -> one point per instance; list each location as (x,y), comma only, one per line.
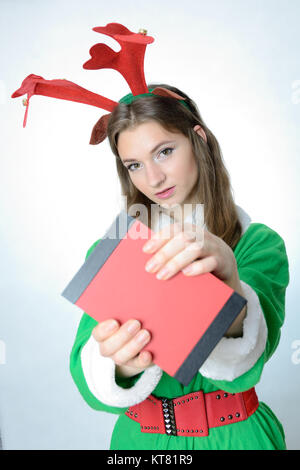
(143,31)
(25,102)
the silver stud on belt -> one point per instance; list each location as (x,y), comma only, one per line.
(169,416)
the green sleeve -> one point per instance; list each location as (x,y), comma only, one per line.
(263,265)
(86,326)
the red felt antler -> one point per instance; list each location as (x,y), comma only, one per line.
(62,89)
(129,61)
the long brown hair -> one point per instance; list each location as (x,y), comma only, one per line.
(213,188)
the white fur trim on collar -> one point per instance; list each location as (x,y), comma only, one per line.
(244,218)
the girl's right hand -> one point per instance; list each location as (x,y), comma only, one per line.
(123,344)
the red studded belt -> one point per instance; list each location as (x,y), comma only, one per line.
(193,414)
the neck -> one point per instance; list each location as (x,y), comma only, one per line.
(180,212)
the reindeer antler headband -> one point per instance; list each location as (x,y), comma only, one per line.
(129,61)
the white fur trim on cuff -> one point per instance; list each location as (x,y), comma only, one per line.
(232,357)
(99,373)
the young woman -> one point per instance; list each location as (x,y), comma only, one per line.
(166,155)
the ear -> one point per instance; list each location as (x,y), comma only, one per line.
(99,130)
(200,132)
(165,92)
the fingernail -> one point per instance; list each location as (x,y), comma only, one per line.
(187,270)
(163,273)
(133,326)
(145,356)
(110,326)
(142,336)
(151,265)
(148,246)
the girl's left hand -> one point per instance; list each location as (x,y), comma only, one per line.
(191,251)
(177,250)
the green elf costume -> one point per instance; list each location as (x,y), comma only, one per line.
(235,365)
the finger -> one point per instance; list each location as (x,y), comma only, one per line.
(173,246)
(145,357)
(184,258)
(136,365)
(105,329)
(141,361)
(161,237)
(176,254)
(116,341)
(132,348)
(169,250)
(205,265)
(170,231)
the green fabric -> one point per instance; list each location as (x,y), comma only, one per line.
(263,264)
(127,99)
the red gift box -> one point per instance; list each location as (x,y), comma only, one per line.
(186,316)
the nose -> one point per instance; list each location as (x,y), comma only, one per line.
(155,176)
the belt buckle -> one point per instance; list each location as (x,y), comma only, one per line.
(169,416)
(190,415)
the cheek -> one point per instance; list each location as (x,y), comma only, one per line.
(138,182)
(193,167)
(187,168)
(192,163)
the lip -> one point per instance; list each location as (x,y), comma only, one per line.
(166,193)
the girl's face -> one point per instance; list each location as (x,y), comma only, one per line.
(157,160)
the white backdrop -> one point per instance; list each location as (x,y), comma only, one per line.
(239,60)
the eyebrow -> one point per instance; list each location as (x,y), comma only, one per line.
(152,151)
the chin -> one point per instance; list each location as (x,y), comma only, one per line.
(170,204)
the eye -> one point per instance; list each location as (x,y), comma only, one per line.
(132,167)
(166,152)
